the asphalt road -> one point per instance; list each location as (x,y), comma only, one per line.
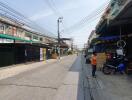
(41,83)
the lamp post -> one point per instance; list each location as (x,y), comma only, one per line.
(58,24)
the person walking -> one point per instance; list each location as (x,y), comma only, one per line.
(94,64)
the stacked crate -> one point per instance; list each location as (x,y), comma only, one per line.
(101,59)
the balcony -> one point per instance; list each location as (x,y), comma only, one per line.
(114,9)
(117,6)
(121,2)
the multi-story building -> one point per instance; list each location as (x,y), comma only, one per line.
(15,31)
(11,32)
(116,6)
(117,26)
(20,44)
(117,12)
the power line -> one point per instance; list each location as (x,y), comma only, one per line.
(77,30)
(18,17)
(85,20)
(54,8)
(57,10)
(81,24)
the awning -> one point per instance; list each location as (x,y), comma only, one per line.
(104,39)
(13,38)
(108,38)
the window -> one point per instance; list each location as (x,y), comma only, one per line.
(1,28)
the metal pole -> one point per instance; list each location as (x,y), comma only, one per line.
(58,22)
(120,33)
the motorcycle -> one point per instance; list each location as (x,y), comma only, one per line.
(115,64)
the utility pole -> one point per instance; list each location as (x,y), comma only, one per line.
(58,24)
(72,44)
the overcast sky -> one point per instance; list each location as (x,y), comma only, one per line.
(46,12)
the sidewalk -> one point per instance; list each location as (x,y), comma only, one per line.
(10,71)
(13,70)
(72,86)
(107,87)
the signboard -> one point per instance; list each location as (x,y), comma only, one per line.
(119,51)
(44,54)
(41,54)
(90,50)
(6,41)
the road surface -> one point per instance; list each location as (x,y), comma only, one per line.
(67,79)
(53,81)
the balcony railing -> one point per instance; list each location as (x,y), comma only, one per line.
(121,2)
(116,6)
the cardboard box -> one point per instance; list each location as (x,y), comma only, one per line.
(101,59)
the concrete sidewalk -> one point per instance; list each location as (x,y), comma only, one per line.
(107,87)
(13,70)
(72,86)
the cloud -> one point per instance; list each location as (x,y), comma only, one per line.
(41,15)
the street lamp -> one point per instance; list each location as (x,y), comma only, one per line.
(58,23)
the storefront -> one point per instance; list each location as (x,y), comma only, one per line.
(11,53)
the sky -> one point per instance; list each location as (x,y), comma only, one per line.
(46,12)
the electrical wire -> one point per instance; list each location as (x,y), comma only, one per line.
(16,16)
(81,25)
(86,20)
(83,28)
(54,8)
(83,21)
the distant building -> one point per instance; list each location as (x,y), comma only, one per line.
(92,36)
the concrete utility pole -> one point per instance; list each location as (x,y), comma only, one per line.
(58,23)
(72,44)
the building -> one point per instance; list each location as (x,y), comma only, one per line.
(20,44)
(116,26)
